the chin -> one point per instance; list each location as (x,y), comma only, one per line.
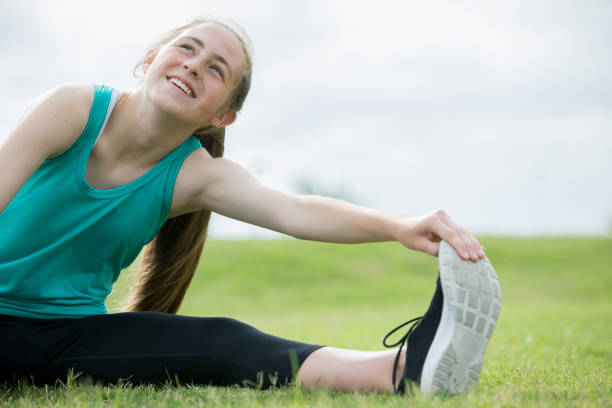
(167,102)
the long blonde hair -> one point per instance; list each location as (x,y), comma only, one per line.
(171,259)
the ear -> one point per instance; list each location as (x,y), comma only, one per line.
(224,119)
(148,60)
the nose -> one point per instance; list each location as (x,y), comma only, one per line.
(191,68)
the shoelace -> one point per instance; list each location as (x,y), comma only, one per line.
(403,341)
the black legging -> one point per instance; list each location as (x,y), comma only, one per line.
(146,347)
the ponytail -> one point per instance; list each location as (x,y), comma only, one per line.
(171,259)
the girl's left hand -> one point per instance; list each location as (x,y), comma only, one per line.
(425,232)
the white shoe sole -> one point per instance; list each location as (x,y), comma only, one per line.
(472,299)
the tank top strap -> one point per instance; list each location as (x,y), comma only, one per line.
(97,114)
(179,156)
(97,117)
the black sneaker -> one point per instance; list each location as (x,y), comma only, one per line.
(417,340)
(445,347)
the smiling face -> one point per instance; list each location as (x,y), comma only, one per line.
(193,76)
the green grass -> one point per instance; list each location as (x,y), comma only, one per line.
(552,345)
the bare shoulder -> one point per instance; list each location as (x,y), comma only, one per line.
(47,128)
(190,180)
(51,123)
(72,94)
(63,111)
(201,177)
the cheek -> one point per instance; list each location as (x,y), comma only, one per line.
(219,93)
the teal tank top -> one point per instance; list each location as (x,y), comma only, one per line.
(64,243)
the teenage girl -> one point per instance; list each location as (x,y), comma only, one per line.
(90,175)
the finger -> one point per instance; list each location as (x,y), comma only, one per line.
(430,247)
(452,237)
(475,250)
(472,247)
(474,244)
(477,246)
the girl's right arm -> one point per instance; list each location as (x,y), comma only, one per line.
(50,125)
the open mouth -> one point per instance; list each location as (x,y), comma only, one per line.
(182,86)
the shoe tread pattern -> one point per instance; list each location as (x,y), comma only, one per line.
(475,296)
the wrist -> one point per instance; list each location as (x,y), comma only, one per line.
(395,227)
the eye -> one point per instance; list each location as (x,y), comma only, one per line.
(218,70)
(188,48)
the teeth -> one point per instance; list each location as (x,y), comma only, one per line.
(181,85)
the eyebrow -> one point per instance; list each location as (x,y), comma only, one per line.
(215,56)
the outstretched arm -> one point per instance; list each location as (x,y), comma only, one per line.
(326,219)
(225,187)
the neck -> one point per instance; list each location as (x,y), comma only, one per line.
(141,134)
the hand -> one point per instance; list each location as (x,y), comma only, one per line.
(425,232)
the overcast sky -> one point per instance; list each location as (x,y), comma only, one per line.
(499,112)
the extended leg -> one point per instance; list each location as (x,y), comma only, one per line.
(444,349)
(147,347)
